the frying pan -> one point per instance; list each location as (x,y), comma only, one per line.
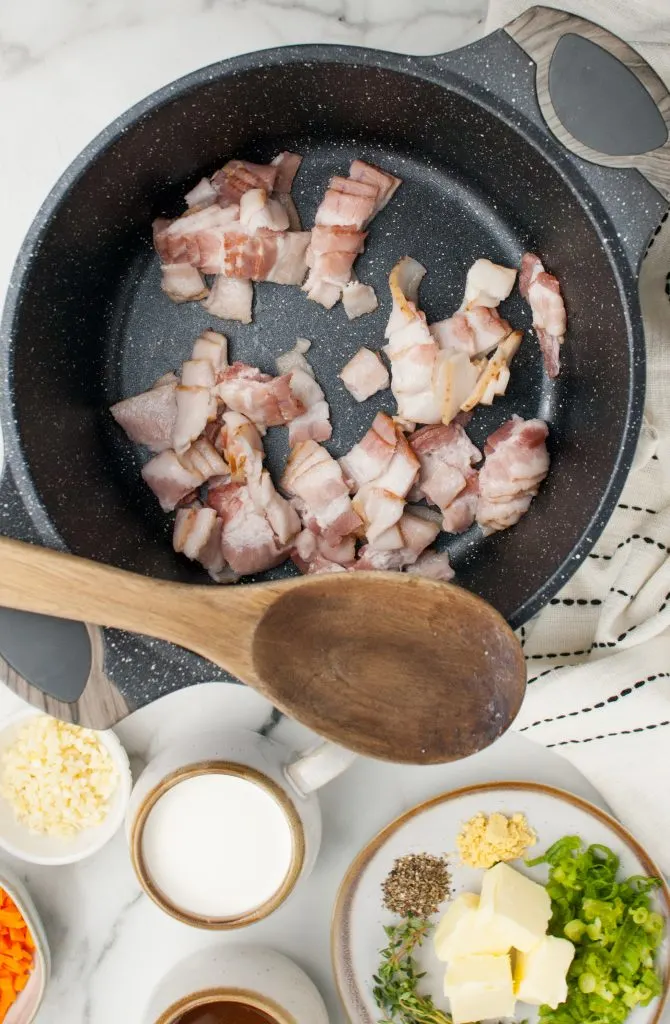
(549,135)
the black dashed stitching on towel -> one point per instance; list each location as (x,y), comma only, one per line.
(639,508)
(601,704)
(563,654)
(607,735)
(634,536)
(570,601)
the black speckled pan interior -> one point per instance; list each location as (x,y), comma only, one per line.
(86,323)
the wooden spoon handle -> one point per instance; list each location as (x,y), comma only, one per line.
(36,579)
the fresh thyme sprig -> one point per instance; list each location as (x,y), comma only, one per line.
(396,984)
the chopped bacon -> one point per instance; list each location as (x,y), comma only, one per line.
(496,374)
(193,528)
(242,447)
(460,514)
(314,477)
(364,375)
(381,503)
(400,546)
(543,294)
(429,384)
(368,459)
(314,423)
(278,256)
(476,331)
(149,418)
(447,456)
(258,212)
(280,514)
(230,298)
(182,283)
(295,359)
(267,401)
(171,477)
(196,406)
(240,176)
(199,373)
(348,205)
(195,237)
(359,299)
(213,346)
(203,194)
(487,284)
(312,554)
(248,541)
(386,184)
(288,165)
(517,462)
(434,565)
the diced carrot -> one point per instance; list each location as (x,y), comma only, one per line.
(16,953)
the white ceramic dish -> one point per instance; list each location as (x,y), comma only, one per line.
(55,850)
(358,919)
(263,978)
(24,1010)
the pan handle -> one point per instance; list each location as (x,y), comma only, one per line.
(52,651)
(598,96)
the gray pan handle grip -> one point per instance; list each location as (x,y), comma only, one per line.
(39,653)
(599,97)
(57,666)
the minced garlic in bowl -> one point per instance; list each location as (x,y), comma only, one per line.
(57,778)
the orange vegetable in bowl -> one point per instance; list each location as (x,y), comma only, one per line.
(16,953)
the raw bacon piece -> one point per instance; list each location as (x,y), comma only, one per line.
(314,477)
(288,165)
(213,346)
(370,457)
(198,373)
(381,503)
(447,456)
(242,447)
(386,184)
(312,554)
(196,406)
(400,546)
(260,213)
(240,176)
(434,565)
(487,284)
(182,283)
(314,423)
(496,374)
(295,359)
(460,514)
(364,375)
(193,528)
(267,401)
(476,331)
(517,462)
(171,477)
(203,194)
(278,256)
(195,237)
(248,541)
(348,205)
(359,299)
(230,298)
(149,418)
(543,294)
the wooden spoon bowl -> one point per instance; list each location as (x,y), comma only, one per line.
(396,667)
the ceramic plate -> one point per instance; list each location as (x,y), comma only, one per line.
(432,827)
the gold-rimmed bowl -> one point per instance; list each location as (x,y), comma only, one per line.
(243,755)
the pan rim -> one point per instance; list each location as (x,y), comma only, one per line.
(16,461)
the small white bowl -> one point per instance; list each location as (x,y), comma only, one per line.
(55,850)
(25,1008)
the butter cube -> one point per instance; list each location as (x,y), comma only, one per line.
(463,931)
(540,976)
(519,907)
(479,988)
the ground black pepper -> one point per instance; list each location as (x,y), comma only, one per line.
(416,885)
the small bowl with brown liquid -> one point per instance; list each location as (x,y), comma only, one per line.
(236,985)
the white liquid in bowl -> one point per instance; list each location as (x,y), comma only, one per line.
(217,845)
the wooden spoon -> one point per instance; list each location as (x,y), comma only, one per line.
(393,666)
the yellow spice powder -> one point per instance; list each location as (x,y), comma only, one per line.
(484,841)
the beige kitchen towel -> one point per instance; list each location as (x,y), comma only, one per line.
(599,654)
